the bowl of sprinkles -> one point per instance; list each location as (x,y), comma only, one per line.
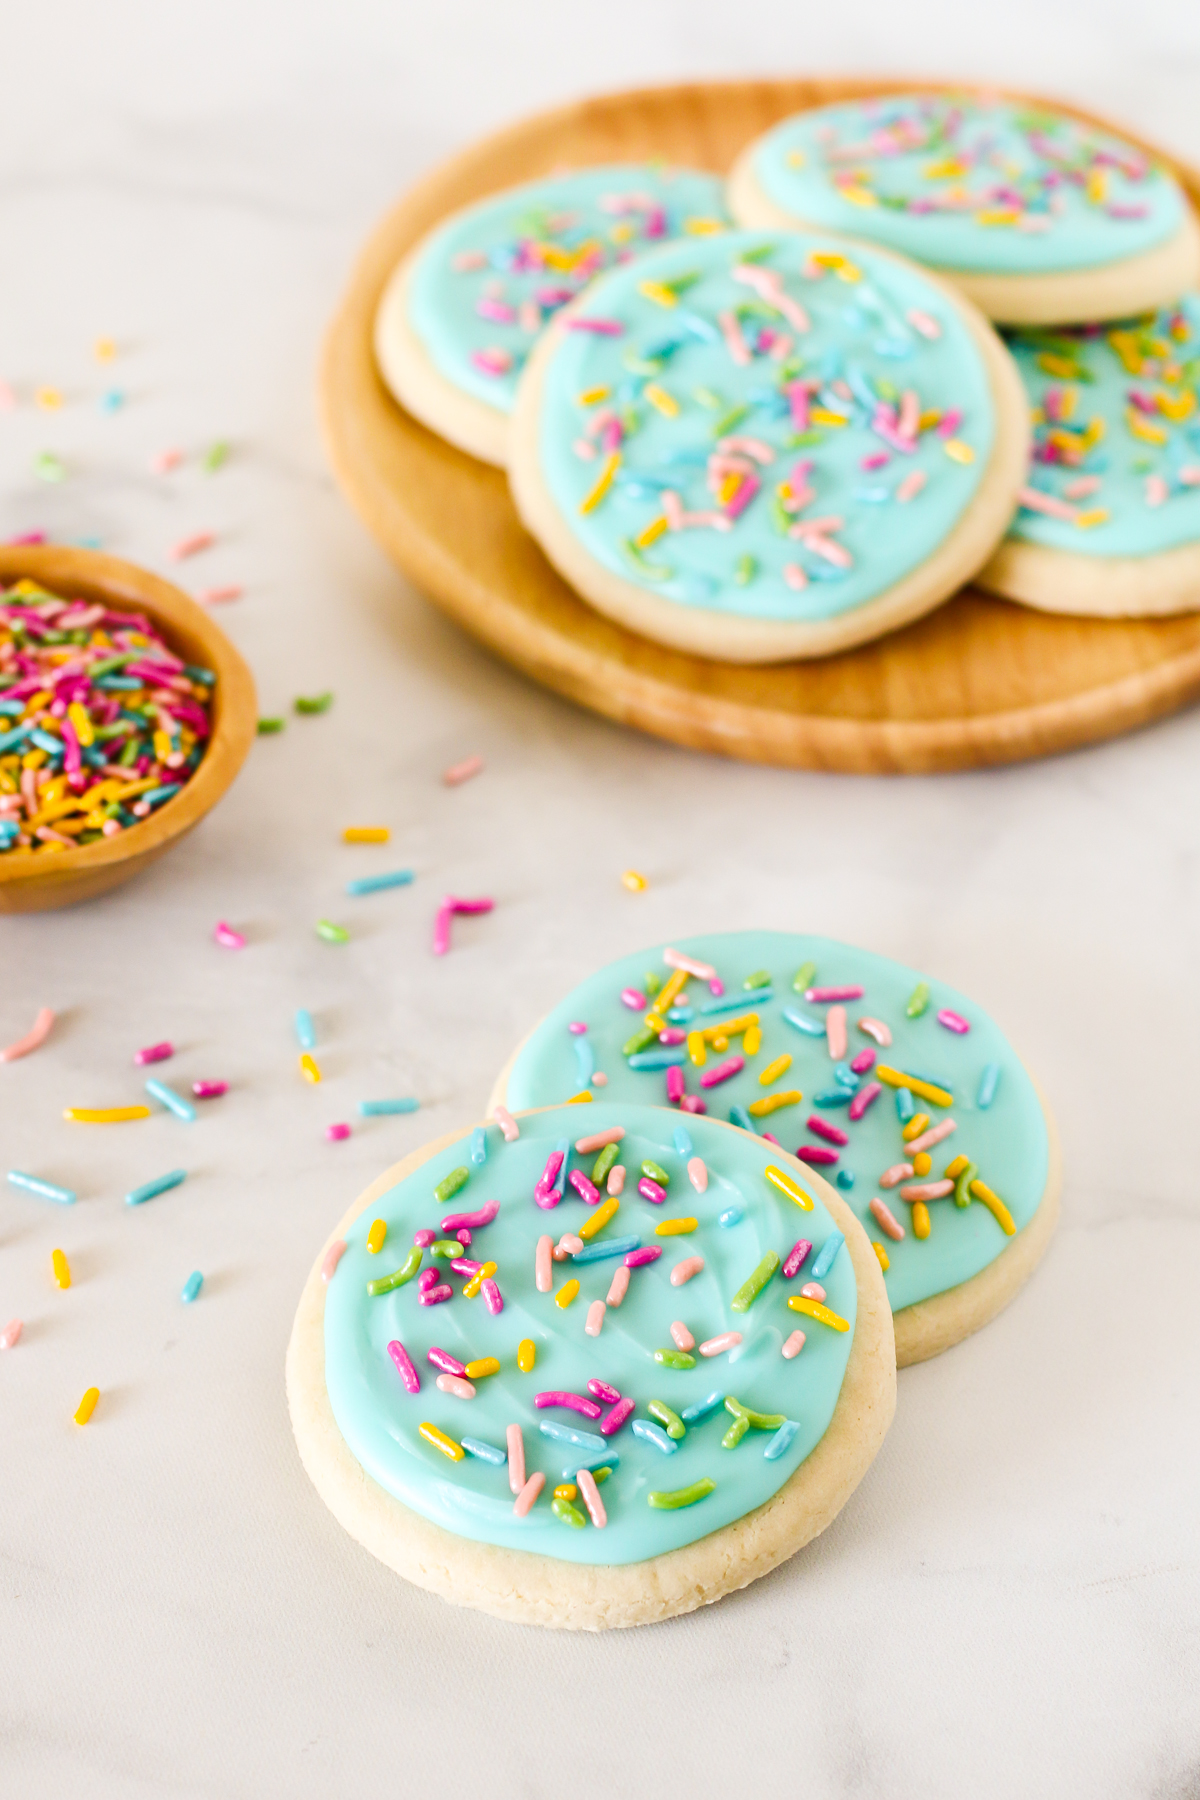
(125,713)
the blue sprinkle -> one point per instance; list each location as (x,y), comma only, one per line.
(46,1189)
(653,1434)
(374,1109)
(111,402)
(567,1434)
(44,740)
(906,1106)
(679,1015)
(192,1286)
(739,1116)
(374,884)
(560,1180)
(479,1146)
(605,1248)
(585,1057)
(736,1002)
(10,739)
(989,1081)
(804,1022)
(611,1459)
(845,1178)
(683,1142)
(149,1190)
(156,796)
(834,1097)
(872,496)
(827,1256)
(166,1096)
(669,1057)
(306,1031)
(733,1215)
(692,1415)
(699,328)
(782,1439)
(845,1077)
(489,1453)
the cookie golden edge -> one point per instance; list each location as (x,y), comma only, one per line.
(698,630)
(1097,587)
(537,1590)
(411,377)
(928,1327)
(1114,290)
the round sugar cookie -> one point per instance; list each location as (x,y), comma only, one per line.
(437,1428)
(1109,521)
(462,310)
(756,1037)
(1036,215)
(758,446)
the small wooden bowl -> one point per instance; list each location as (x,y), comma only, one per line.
(38,883)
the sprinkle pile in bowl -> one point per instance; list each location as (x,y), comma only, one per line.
(100,722)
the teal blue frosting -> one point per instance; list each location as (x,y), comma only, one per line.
(505,241)
(379,1419)
(1115,409)
(860,354)
(1008,1139)
(924,173)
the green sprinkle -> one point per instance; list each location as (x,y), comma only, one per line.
(656,1172)
(918,1000)
(736,1433)
(758,255)
(887,390)
(333,934)
(745,571)
(679,284)
(604,1163)
(726,423)
(675,1427)
(652,571)
(599,1475)
(315,703)
(706,397)
(570,1515)
(215,457)
(760,1421)
(49,467)
(780,517)
(677,1359)
(194,672)
(754,1285)
(799,439)
(445,1248)
(761,978)
(962,1187)
(269,727)
(451,1183)
(643,1036)
(802,980)
(687,1496)
(397,1279)
(651,983)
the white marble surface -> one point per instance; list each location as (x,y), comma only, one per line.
(1009,1605)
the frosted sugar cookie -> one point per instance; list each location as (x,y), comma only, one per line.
(1109,522)
(762,446)
(579,1369)
(1036,215)
(461,312)
(901,1091)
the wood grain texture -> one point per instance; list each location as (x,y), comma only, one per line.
(40,882)
(979,682)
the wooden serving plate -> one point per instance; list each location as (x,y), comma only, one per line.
(980,681)
(37,882)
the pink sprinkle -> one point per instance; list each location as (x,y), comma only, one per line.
(929,1138)
(650,1190)
(337,1134)
(217,596)
(748,446)
(463,1265)
(822,996)
(605,327)
(735,343)
(209,1090)
(681,1337)
(926,1190)
(862,1062)
(698,1174)
(529,1493)
(595,1318)
(442,1359)
(716,987)
(723,1072)
(769,1137)
(634,999)
(636,1259)
(427,1279)
(598,1139)
(676,959)
(613,1421)
(833,1134)
(1082,486)
(886,1218)
(866,1096)
(878,459)
(577,1028)
(795,1259)
(911,486)
(875,1028)
(333,1257)
(591,1493)
(949,423)
(507,1123)
(794,1345)
(599,1078)
(459,772)
(726,1340)
(603,1390)
(492,361)
(1034,500)
(811,1153)
(516,1458)
(672,1035)
(692,1103)
(493,1299)
(166,460)
(36,1036)
(191,546)
(795,577)
(227,937)
(498,310)
(923,323)
(473,1221)
(433,1296)
(953,1021)
(898,1172)
(835,1032)
(675,1085)
(587,1190)
(619,1287)
(454,1384)
(462,260)
(683,1271)
(548,1177)
(616,1179)
(28,537)
(735,507)
(812,1290)
(405,1365)
(423,1238)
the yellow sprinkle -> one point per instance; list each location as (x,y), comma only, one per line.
(954,1169)
(696,1049)
(1067,402)
(82,724)
(61,1267)
(828,259)
(87,1406)
(1097,187)
(929,418)
(795,159)
(483,1365)
(651,533)
(995,1206)
(621,232)
(957,451)
(772,1102)
(915,1127)
(997,215)
(702,227)
(441,1442)
(674,985)
(731,1027)
(376,1236)
(920,1218)
(1142,428)
(309,1069)
(882,1254)
(925,1089)
(566,1294)
(105,1115)
(659,398)
(729,487)
(1096,516)
(104,350)
(946,168)
(922,1162)
(566,1490)
(676,1227)
(752,1042)
(477,1280)
(48,398)
(592,396)
(720,1041)
(597,1220)
(579,1099)
(1177,406)
(526,1355)
(820,415)
(366,834)
(774,1070)
(814,1310)
(1061,366)
(858,196)
(604,481)
(162,746)
(636,883)
(659,292)
(787,1186)
(848,272)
